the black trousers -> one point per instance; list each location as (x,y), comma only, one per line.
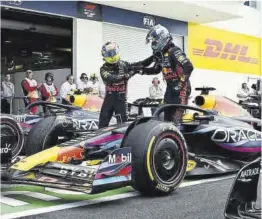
(114,102)
(5,106)
(173,96)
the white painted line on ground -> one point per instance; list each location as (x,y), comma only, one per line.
(69,205)
(98,200)
(36,195)
(12,202)
(7,186)
(197,182)
(64,192)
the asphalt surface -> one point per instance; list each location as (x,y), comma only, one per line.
(204,201)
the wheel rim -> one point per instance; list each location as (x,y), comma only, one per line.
(167,160)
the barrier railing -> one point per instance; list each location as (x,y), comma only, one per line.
(12,100)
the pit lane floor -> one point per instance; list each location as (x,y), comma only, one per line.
(194,199)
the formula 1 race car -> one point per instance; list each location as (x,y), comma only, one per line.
(63,122)
(243,198)
(76,119)
(223,105)
(151,155)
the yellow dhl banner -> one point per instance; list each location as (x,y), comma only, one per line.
(215,49)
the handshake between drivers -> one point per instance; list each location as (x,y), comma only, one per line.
(133,70)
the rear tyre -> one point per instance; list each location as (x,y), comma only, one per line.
(10,127)
(159,157)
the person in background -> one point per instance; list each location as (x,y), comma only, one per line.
(155,91)
(254,90)
(7,91)
(259,88)
(83,83)
(243,93)
(94,84)
(30,89)
(48,89)
(67,88)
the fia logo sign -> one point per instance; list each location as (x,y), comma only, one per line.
(149,21)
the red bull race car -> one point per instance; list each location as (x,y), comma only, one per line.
(62,122)
(80,116)
(149,154)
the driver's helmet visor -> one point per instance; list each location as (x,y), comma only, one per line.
(110,50)
(110,53)
(152,36)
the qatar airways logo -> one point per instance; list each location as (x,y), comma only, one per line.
(234,135)
(229,51)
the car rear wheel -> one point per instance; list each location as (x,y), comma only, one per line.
(159,157)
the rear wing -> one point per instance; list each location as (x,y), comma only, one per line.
(243,196)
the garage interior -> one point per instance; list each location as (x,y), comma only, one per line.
(35,41)
(40,42)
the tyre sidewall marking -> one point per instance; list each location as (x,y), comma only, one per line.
(148,158)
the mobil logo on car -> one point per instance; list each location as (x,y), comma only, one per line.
(119,158)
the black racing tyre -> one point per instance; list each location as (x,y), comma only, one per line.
(10,127)
(131,126)
(43,135)
(159,157)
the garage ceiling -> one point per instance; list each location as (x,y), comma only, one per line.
(179,10)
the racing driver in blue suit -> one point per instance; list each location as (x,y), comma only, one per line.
(175,66)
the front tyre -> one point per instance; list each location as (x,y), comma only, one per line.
(159,157)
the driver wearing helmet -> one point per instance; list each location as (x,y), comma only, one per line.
(48,89)
(115,74)
(175,66)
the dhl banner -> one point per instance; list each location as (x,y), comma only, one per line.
(216,49)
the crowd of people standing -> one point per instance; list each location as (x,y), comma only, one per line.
(46,91)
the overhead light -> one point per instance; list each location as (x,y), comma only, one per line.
(64,49)
(144,4)
(7,41)
(197,15)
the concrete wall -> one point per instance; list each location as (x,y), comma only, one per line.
(87,44)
